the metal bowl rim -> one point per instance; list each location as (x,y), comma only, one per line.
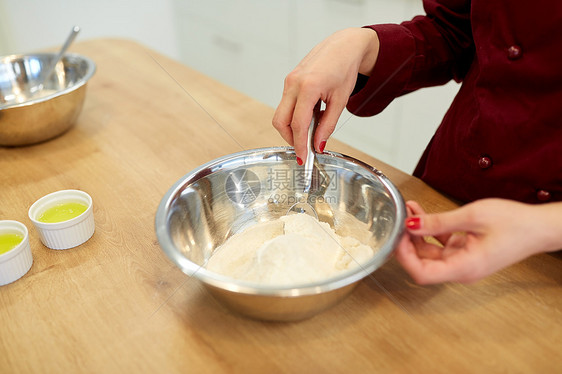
(250,288)
(81,82)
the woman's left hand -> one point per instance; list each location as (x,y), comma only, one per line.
(476,240)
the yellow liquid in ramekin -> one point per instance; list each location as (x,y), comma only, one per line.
(9,242)
(62,212)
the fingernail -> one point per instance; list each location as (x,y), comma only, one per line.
(299,161)
(413,223)
(322,146)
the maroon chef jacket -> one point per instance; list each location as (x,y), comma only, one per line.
(502,136)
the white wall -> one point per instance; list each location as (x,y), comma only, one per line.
(248,44)
(29,25)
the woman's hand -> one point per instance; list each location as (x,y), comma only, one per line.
(477,239)
(327,73)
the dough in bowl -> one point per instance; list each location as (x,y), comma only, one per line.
(291,250)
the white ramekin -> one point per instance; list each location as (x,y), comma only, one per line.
(66,234)
(15,263)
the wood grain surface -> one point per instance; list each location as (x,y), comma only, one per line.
(116,304)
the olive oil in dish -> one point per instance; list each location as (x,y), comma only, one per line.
(62,212)
(9,242)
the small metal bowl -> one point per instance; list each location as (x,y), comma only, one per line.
(31,112)
(221,198)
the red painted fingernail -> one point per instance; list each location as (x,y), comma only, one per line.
(322,146)
(413,223)
(299,161)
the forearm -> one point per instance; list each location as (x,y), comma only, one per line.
(426,51)
(547,227)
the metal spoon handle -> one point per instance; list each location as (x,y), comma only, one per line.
(75,30)
(309,164)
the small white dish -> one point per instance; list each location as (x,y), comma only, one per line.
(16,262)
(64,234)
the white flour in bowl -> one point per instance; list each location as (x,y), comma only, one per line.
(293,249)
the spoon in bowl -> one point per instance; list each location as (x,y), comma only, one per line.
(306,206)
(51,69)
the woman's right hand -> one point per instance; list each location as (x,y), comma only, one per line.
(327,73)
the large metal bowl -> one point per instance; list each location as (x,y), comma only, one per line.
(224,196)
(33,111)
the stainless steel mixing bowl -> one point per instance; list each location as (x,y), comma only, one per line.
(224,196)
(28,115)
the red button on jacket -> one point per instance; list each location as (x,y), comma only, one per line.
(511,110)
(543,195)
(514,52)
(484,162)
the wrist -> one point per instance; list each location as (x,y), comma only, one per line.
(550,218)
(370,50)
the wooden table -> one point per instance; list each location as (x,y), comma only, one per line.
(116,304)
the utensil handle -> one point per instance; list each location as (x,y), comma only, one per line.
(309,164)
(75,30)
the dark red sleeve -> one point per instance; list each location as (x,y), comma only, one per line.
(427,51)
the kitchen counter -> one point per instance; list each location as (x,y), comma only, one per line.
(116,304)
